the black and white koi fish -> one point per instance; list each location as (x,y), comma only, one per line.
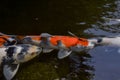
(12,56)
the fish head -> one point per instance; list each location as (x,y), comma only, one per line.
(26,52)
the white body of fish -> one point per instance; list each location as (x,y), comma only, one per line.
(2,54)
(111,41)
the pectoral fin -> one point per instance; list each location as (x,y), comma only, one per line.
(9,70)
(63,53)
(47,50)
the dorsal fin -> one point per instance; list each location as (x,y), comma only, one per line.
(72,34)
(45,35)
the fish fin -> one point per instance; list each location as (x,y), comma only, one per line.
(47,50)
(9,70)
(78,48)
(72,34)
(45,35)
(63,53)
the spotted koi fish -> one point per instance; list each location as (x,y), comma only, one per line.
(12,56)
(65,44)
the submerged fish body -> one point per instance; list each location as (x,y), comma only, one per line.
(65,44)
(67,41)
(12,56)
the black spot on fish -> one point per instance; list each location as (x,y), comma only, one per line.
(13,42)
(25,48)
(10,51)
(99,40)
(7,60)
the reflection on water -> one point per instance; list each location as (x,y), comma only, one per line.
(109,23)
(106,58)
(80,68)
(84,18)
(106,63)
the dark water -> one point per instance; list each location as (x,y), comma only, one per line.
(85,18)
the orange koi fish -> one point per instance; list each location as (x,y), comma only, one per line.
(65,44)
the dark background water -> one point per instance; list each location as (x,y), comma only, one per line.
(85,18)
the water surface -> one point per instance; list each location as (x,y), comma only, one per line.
(88,18)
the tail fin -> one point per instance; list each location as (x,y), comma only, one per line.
(45,35)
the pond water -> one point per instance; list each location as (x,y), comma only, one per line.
(88,18)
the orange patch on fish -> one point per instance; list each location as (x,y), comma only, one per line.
(38,38)
(83,42)
(3,40)
(20,37)
(68,41)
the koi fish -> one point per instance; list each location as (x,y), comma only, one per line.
(12,56)
(65,44)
